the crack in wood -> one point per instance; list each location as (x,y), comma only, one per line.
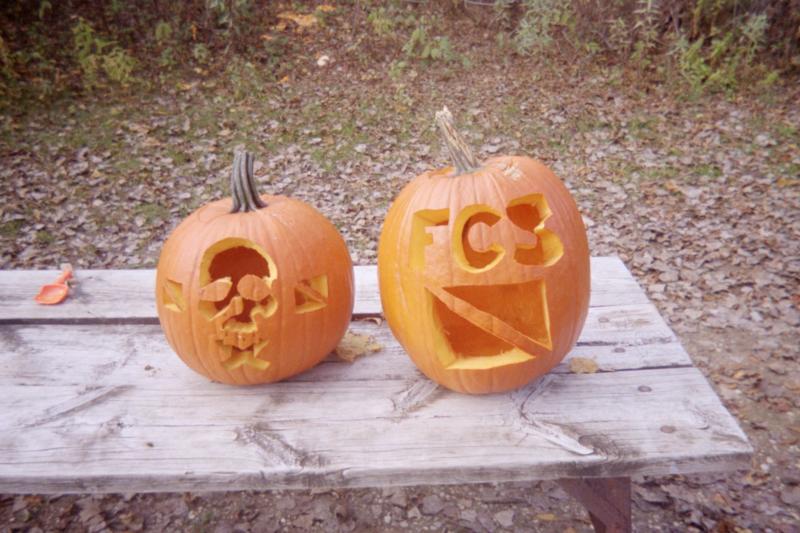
(80,321)
(86,399)
(274,447)
(415,396)
(639,342)
(106,369)
(564,369)
(561,435)
(12,342)
(704,419)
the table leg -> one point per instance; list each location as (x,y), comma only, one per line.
(608,501)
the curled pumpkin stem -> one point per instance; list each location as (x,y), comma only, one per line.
(243,184)
(460,153)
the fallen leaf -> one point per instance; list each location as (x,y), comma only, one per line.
(673,187)
(302,21)
(354,345)
(582,365)
(546,517)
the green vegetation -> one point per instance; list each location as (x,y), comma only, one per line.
(715,45)
(10,229)
(151,212)
(700,46)
(422,45)
(44,237)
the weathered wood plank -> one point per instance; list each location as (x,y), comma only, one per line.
(98,294)
(89,353)
(99,407)
(161,434)
(109,407)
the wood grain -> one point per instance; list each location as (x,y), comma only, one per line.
(106,407)
(98,295)
(117,411)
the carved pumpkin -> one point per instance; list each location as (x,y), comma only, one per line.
(484,270)
(254,289)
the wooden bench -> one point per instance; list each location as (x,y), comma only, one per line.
(94,400)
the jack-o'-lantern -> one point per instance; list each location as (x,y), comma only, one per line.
(254,289)
(484,270)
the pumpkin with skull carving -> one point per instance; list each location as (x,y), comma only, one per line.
(484,270)
(254,289)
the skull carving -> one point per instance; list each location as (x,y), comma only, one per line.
(255,290)
(237,297)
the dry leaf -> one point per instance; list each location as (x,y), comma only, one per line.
(302,21)
(582,365)
(546,517)
(354,345)
(673,187)
(326,8)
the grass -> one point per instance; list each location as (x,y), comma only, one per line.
(710,171)
(179,157)
(10,229)
(127,166)
(45,237)
(151,212)
(642,127)
(787,131)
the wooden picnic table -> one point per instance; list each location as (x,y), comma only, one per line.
(94,400)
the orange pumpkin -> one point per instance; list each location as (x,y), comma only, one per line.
(484,270)
(254,289)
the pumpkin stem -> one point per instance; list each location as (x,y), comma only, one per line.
(460,153)
(243,184)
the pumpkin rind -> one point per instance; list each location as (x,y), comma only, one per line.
(484,276)
(288,246)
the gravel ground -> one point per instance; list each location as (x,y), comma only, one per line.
(700,198)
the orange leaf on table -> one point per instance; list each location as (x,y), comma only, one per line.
(583,365)
(355,345)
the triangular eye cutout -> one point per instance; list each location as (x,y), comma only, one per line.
(173,296)
(311,294)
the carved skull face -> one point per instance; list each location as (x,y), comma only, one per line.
(237,296)
(256,297)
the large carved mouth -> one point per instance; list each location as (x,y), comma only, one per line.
(489,326)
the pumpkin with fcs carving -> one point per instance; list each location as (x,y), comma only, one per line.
(484,270)
(254,289)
